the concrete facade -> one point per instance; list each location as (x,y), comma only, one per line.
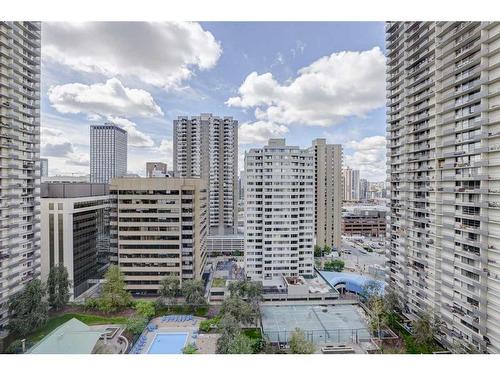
(19,159)
(158,229)
(443,113)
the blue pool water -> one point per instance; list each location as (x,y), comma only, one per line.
(168,343)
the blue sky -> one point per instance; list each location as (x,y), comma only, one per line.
(299,80)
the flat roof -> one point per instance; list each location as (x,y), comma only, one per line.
(321,324)
(72,337)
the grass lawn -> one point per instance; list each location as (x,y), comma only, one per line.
(55,322)
(218,283)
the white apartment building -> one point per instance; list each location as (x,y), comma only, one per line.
(108,153)
(279,211)
(75,232)
(158,229)
(19,159)
(443,113)
(328,193)
(206,146)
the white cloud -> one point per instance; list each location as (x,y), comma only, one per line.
(109,98)
(158,53)
(369,156)
(260,132)
(135,137)
(163,152)
(59,148)
(323,93)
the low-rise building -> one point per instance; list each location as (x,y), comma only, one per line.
(158,230)
(75,232)
(231,245)
(370,223)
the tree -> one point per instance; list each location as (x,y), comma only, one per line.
(114,297)
(145,308)
(136,324)
(169,289)
(193,291)
(240,344)
(251,292)
(229,329)
(378,316)
(241,311)
(370,290)
(190,349)
(336,265)
(424,330)
(391,301)
(318,251)
(299,344)
(327,249)
(58,286)
(28,309)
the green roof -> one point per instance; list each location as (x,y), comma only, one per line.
(72,337)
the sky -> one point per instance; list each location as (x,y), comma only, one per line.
(297,80)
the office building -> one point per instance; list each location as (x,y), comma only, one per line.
(108,153)
(443,145)
(206,146)
(279,211)
(363,189)
(156,169)
(351,184)
(75,232)
(158,229)
(19,159)
(367,223)
(328,193)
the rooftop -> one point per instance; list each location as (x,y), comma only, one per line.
(72,337)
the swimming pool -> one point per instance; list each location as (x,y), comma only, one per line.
(168,343)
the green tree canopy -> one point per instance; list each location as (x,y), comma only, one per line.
(229,329)
(145,308)
(299,344)
(114,297)
(193,291)
(28,309)
(318,251)
(58,286)
(169,289)
(240,344)
(241,311)
(136,324)
(336,265)
(424,330)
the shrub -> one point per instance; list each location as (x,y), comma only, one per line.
(16,347)
(209,324)
(136,324)
(145,308)
(190,349)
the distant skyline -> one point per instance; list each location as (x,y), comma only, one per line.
(299,81)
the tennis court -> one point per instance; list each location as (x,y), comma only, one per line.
(321,324)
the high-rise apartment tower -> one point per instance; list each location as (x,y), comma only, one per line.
(206,146)
(19,159)
(443,140)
